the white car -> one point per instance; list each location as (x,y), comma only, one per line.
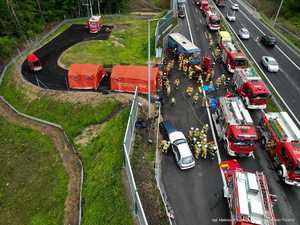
(235,6)
(231,17)
(244,33)
(270,64)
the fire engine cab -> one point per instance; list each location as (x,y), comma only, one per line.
(94,24)
(233,57)
(213,20)
(204,7)
(249,200)
(281,138)
(235,127)
(251,88)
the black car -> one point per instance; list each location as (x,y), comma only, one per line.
(181,13)
(165,128)
(269,41)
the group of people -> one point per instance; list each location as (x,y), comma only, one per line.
(198,140)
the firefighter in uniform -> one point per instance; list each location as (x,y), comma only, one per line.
(218,82)
(189,91)
(204,149)
(223,78)
(191,133)
(177,83)
(203,103)
(180,62)
(164,146)
(197,149)
(190,73)
(197,133)
(195,98)
(200,89)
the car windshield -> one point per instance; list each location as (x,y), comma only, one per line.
(297,170)
(272,62)
(245,31)
(241,62)
(195,55)
(264,95)
(180,141)
(215,21)
(244,142)
(187,160)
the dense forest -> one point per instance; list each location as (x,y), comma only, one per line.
(21,19)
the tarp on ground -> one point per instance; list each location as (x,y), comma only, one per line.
(85,76)
(125,78)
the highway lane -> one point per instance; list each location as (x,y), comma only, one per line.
(287,80)
(196,195)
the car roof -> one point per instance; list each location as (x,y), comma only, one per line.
(168,126)
(183,149)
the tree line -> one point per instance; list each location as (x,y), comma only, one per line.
(20,20)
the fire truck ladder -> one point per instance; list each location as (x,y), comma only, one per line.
(268,209)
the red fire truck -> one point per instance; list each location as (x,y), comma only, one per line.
(220,3)
(94,24)
(248,196)
(204,7)
(251,88)
(281,138)
(233,57)
(235,127)
(213,20)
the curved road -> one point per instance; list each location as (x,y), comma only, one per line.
(53,76)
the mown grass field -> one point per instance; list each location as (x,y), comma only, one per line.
(126,45)
(103,193)
(33,184)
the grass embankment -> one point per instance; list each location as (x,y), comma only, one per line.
(126,45)
(103,193)
(33,184)
(143,159)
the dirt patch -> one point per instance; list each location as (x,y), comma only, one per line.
(70,159)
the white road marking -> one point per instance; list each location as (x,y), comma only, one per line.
(276,45)
(188,22)
(200,20)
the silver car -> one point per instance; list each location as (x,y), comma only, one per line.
(231,17)
(270,64)
(244,33)
(235,6)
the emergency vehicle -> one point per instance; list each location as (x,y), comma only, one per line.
(204,7)
(235,126)
(233,57)
(94,24)
(248,196)
(182,45)
(213,20)
(220,3)
(251,88)
(281,138)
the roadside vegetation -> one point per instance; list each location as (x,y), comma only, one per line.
(289,17)
(126,45)
(143,161)
(104,197)
(33,184)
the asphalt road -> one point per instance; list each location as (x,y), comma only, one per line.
(287,80)
(52,76)
(196,195)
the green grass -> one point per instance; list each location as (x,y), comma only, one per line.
(104,197)
(73,117)
(33,184)
(127,45)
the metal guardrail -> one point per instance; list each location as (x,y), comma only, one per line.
(127,147)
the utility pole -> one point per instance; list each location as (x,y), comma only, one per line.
(277,14)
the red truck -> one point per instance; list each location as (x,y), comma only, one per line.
(204,6)
(281,138)
(94,24)
(248,196)
(251,88)
(235,126)
(213,20)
